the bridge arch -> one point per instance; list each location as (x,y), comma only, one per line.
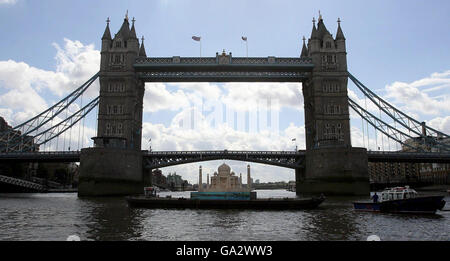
(291,160)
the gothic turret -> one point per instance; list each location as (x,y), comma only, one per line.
(124,31)
(142,49)
(133,30)
(304,53)
(314,30)
(106,45)
(340,39)
(107,33)
(313,42)
(339,34)
(321,28)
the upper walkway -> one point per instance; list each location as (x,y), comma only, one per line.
(280,158)
(223,68)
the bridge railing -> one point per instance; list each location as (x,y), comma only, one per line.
(75,152)
(223,152)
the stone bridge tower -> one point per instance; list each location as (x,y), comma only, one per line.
(119,131)
(121,92)
(332,166)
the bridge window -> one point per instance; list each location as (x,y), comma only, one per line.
(108,129)
(330,86)
(119,128)
(119,44)
(329,58)
(117,58)
(115,109)
(328,45)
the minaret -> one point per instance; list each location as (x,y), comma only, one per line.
(249,185)
(200,183)
(207,181)
(240,180)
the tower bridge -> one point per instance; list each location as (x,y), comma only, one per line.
(329,164)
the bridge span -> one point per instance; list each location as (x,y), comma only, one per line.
(286,159)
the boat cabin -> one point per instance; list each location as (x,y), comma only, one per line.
(398,193)
(150,192)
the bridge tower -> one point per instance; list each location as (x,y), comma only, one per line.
(114,165)
(332,166)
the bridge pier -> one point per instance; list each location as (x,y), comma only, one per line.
(334,171)
(110,172)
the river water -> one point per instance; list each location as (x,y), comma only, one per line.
(55,216)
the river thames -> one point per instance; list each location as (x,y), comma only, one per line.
(55,216)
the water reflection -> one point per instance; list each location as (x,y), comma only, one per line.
(56,216)
(111,219)
(334,220)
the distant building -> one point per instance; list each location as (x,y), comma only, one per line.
(26,147)
(158,178)
(394,172)
(224,180)
(175,182)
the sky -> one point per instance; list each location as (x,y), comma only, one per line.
(399,49)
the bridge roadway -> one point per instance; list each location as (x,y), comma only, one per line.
(288,159)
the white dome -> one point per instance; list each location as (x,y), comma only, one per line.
(224,167)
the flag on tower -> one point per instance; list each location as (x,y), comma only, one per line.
(196,38)
(244,38)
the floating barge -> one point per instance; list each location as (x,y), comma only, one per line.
(266,204)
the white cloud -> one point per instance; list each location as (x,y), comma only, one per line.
(441,124)
(244,96)
(10,2)
(412,98)
(157,97)
(26,85)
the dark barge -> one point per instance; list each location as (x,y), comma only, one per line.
(266,204)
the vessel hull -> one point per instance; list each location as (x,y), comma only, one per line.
(267,204)
(425,205)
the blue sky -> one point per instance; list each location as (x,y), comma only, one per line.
(392,46)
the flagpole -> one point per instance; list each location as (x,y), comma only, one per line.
(246,45)
(200,47)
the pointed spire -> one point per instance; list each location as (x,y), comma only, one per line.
(133,31)
(304,49)
(339,34)
(142,49)
(314,30)
(107,33)
(321,29)
(124,30)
